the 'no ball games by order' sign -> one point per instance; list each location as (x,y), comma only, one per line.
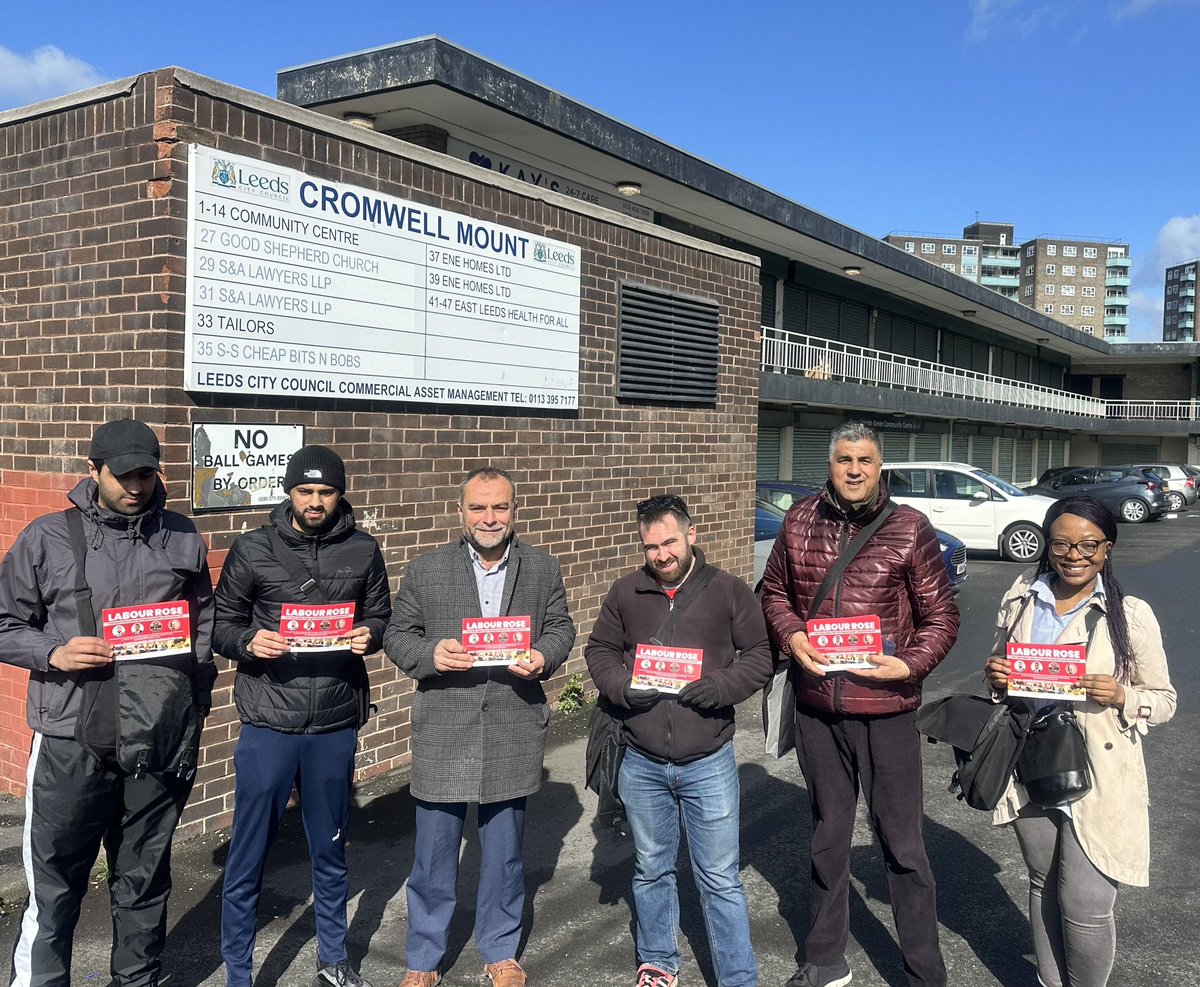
(299,286)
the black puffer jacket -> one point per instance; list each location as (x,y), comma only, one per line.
(307,693)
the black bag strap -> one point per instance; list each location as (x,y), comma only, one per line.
(83,592)
(855,546)
(683,599)
(308,584)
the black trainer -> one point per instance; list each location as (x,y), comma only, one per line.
(339,975)
(811,975)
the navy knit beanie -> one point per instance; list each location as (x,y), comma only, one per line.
(316,465)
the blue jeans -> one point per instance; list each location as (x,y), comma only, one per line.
(705,794)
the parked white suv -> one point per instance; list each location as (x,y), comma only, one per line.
(981,510)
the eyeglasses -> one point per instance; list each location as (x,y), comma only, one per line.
(1061,549)
(667,502)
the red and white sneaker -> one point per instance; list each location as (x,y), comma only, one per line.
(649,975)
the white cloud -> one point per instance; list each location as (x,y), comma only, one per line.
(993,18)
(41,74)
(1177,241)
(1125,9)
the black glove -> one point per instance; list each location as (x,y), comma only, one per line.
(704,693)
(639,698)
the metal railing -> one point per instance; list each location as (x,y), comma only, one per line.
(823,359)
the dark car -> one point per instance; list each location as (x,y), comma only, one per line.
(774,499)
(1133,494)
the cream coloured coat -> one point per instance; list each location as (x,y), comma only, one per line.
(1112,821)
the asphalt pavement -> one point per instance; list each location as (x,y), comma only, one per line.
(578,904)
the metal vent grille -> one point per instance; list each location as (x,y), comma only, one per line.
(667,347)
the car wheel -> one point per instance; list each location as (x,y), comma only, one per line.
(1175,502)
(1134,511)
(1022,543)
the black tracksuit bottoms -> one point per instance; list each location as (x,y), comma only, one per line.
(837,754)
(73,805)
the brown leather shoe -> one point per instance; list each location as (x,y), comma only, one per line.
(421,978)
(506,973)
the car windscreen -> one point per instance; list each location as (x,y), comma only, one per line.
(1002,485)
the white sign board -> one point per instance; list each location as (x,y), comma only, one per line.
(301,287)
(238,466)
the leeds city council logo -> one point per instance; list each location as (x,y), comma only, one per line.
(223,173)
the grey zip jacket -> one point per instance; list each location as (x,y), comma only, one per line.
(154,557)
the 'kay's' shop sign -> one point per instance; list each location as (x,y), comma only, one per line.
(240,466)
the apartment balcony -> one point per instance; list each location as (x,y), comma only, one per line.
(1000,280)
(1186,276)
(1116,262)
(1116,281)
(1187,292)
(1187,307)
(1188,322)
(1116,301)
(1116,320)
(1001,260)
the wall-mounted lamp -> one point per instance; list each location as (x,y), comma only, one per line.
(969,313)
(629,188)
(852,271)
(364,120)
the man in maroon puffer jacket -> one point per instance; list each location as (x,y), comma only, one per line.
(859,727)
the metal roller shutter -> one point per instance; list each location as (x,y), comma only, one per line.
(822,316)
(853,323)
(925,346)
(795,308)
(1043,456)
(904,336)
(958,448)
(983,448)
(768,454)
(767,315)
(1120,453)
(1005,460)
(895,447)
(1057,448)
(810,456)
(1025,474)
(928,448)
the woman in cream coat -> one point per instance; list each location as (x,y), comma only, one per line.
(1077,854)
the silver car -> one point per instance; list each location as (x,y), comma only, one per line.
(1183,491)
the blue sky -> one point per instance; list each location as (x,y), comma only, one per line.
(1063,117)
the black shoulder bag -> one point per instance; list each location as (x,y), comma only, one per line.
(779,695)
(606,734)
(314,592)
(138,713)
(1053,765)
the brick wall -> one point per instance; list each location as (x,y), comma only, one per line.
(92,262)
(1145,381)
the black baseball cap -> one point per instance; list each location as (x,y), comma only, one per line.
(125,445)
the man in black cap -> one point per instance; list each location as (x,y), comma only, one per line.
(299,602)
(114,739)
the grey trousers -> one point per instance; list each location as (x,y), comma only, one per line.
(1070,902)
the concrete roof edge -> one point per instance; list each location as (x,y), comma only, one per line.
(106,90)
(292,113)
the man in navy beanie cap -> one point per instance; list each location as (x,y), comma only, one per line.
(301,698)
(315,464)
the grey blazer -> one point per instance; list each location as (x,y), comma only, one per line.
(477,736)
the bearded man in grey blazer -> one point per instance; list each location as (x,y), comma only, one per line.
(478,733)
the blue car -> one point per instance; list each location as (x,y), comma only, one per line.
(773,500)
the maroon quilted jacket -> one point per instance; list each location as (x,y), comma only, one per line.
(898,575)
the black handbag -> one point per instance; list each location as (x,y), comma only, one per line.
(1053,765)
